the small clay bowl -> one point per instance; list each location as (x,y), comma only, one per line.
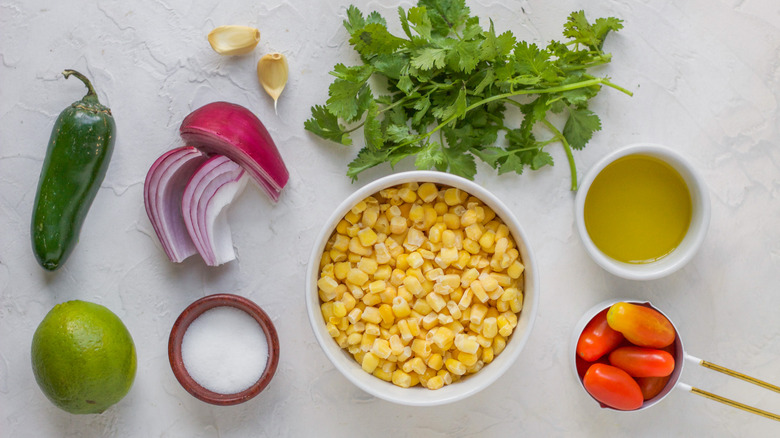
(192,312)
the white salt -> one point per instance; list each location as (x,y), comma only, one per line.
(225,350)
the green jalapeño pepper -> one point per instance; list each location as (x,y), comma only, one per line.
(76,161)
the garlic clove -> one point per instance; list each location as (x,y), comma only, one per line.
(234,40)
(272,72)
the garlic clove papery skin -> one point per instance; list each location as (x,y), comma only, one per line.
(233,39)
(272,72)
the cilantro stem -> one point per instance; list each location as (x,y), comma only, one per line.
(566,147)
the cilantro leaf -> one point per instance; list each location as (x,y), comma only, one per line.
(326,125)
(354,21)
(375,39)
(429,57)
(372,128)
(580,126)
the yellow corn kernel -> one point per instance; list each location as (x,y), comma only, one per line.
(479,291)
(474,231)
(386,312)
(388,294)
(451,220)
(463,260)
(435,361)
(372,315)
(401,307)
(376,286)
(436,232)
(348,301)
(370,362)
(427,192)
(466,343)
(367,265)
(430,320)
(372,330)
(502,231)
(516,305)
(499,343)
(383,272)
(435,382)
(422,307)
(354,339)
(414,239)
(478,312)
(341,269)
(453,309)
(444,319)
(401,379)
(371,300)
(396,345)
(397,277)
(414,326)
(487,241)
(454,196)
(468,359)
(447,256)
(355,315)
(353,258)
(341,227)
(403,330)
(357,277)
(415,259)
(465,300)
(418,365)
(487,355)
(339,309)
(352,217)
(382,225)
(333,331)
(455,367)
(413,285)
(341,243)
(443,338)
(509,294)
(417,215)
(381,348)
(367,237)
(382,374)
(381,253)
(327,284)
(469,218)
(398,225)
(489,283)
(468,276)
(490,327)
(405,355)
(366,342)
(435,301)
(356,247)
(420,348)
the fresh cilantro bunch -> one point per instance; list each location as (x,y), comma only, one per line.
(444,90)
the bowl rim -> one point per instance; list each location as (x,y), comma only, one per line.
(190,314)
(418,396)
(697,230)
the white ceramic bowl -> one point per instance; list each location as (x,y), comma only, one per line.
(418,396)
(700,217)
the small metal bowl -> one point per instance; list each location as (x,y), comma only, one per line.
(192,312)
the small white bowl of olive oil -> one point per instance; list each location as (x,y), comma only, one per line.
(642,211)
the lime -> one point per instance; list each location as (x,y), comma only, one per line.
(83,357)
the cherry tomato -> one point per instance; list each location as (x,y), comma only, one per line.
(651,386)
(641,325)
(642,362)
(598,338)
(613,387)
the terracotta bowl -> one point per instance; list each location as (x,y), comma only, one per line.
(192,312)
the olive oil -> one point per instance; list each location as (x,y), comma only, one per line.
(638,209)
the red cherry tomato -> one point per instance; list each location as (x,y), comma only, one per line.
(642,362)
(651,386)
(613,387)
(598,338)
(641,325)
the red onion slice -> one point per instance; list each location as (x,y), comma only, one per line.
(163,189)
(212,188)
(234,131)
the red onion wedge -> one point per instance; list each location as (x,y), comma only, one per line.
(234,131)
(210,190)
(163,189)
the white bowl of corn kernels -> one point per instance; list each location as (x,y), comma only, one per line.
(421,288)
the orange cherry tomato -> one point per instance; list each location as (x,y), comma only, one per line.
(651,386)
(641,325)
(598,338)
(642,362)
(613,387)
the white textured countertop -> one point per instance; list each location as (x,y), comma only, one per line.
(706,78)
